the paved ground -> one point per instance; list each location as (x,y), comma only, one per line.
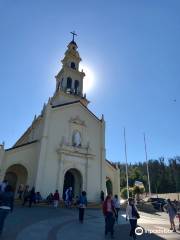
(47,223)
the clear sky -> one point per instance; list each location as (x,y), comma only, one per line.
(133,48)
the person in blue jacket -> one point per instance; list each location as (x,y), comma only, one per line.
(6,205)
(82,206)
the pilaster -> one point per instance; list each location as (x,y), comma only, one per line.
(43,149)
(103,156)
(2,155)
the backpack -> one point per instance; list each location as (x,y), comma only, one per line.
(135,212)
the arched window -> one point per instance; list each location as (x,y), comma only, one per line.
(73,65)
(69,84)
(76,87)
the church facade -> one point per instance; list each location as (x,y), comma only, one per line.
(65,145)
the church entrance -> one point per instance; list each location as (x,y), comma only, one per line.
(109,186)
(73,178)
(16,175)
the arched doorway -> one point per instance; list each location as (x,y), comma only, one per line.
(73,178)
(15,175)
(109,186)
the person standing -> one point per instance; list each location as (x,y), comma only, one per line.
(20,191)
(102,196)
(32,197)
(38,197)
(82,206)
(67,197)
(116,203)
(171,209)
(6,205)
(109,213)
(3,185)
(132,214)
(56,199)
(50,198)
(178,212)
(70,197)
(26,194)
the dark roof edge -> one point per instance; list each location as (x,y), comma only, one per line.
(64,104)
(27,130)
(91,112)
(78,101)
(111,163)
(22,145)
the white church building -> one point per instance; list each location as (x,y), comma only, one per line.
(65,144)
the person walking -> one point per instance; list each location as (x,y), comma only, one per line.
(6,205)
(132,214)
(109,213)
(172,211)
(56,199)
(32,197)
(116,203)
(82,206)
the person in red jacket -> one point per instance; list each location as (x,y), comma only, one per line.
(56,199)
(109,213)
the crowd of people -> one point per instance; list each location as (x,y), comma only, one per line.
(30,196)
(110,206)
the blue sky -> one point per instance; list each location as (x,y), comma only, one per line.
(133,48)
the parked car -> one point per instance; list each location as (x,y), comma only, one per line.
(158,203)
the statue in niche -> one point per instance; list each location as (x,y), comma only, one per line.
(77,139)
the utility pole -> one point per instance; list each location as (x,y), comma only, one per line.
(125,151)
(145,148)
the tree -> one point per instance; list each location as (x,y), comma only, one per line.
(124,193)
(164,175)
(137,191)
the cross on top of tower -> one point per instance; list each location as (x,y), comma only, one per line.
(74,34)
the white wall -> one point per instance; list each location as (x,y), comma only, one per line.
(113,175)
(26,156)
(59,127)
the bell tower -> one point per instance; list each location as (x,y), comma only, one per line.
(69,80)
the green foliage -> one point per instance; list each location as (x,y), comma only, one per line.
(124,192)
(138,190)
(164,175)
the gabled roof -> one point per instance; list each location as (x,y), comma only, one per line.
(26,133)
(21,141)
(111,163)
(22,145)
(74,102)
